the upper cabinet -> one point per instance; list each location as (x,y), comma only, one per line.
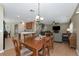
(29,25)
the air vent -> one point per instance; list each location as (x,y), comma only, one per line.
(31,10)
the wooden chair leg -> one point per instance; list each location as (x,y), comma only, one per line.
(46,52)
(51,44)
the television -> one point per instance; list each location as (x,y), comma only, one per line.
(56,28)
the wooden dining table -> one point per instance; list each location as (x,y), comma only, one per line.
(35,45)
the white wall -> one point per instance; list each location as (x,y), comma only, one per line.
(10,26)
(21,27)
(75,20)
(1,28)
(63,26)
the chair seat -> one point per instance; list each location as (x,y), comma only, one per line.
(26,52)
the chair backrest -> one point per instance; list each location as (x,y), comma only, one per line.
(48,34)
(16,47)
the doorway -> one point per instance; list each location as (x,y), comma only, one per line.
(3,35)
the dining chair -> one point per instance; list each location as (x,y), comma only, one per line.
(51,39)
(45,48)
(20,52)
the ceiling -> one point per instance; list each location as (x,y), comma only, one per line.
(58,12)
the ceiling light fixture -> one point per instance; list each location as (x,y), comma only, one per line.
(23,23)
(38,17)
(77,12)
(41,18)
(18,16)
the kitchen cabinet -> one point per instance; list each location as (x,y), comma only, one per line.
(72,40)
(29,25)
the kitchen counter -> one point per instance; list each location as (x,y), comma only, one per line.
(25,33)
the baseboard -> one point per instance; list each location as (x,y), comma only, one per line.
(9,48)
(77,52)
(1,51)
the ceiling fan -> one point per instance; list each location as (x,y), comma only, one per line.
(55,23)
